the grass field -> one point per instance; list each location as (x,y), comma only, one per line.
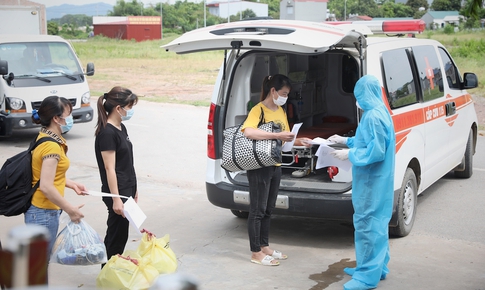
(150,71)
(163,76)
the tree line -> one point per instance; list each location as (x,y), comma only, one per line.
(183,16)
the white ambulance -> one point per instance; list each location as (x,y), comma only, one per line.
(33,67)
(434,118)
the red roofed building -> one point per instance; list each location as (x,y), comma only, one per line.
(139,28)
(359,18)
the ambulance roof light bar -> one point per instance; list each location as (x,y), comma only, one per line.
(389,26)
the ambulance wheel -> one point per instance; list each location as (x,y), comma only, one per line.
(240,213)
(467,159)
(406,205)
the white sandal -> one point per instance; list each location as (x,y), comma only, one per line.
(278,255)
(266,261)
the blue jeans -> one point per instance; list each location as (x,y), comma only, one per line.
(264,184)
(48,218)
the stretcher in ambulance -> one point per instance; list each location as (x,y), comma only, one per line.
(434,118)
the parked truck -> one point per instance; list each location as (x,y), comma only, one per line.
(33,67)
(23,19)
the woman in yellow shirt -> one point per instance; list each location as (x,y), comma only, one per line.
(264,182)
(49,164)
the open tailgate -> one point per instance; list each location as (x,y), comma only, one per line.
(274,35)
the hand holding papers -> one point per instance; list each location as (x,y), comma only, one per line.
(326,158)
(342,154)
(319,141)
(337,139)
(288,145)
(132,211)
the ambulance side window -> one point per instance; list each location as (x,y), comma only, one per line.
(398,78)
(430,74)
(452,75)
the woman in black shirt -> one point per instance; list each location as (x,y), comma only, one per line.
(114,154)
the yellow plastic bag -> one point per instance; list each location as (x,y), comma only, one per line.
(158,251)
(126,272)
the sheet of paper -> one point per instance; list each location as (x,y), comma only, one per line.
(134,214)
(288,145)
(320,140)
(132,211)
(98,193)
(326,159)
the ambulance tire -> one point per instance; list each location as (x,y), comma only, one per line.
(240,213)
(468,159)
(406,205)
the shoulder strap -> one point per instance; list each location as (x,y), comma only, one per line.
(261,117)
(32,146)
(34,143)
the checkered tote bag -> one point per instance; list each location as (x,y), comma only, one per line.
(241,153)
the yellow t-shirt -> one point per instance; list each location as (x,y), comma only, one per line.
(278,117)
(45,150)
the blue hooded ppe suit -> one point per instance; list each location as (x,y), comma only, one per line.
(371,153)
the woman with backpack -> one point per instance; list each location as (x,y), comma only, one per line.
(114,154)
(49,161)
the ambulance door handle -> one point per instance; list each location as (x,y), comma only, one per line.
(450,108)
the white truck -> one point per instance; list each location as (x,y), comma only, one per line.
(33,67)
(23,19)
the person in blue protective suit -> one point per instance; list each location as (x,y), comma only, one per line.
(371,153)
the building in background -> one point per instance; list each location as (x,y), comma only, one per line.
(357,17)
(22,17)
(438,19)
(139,28)
(227,8)
(307,10)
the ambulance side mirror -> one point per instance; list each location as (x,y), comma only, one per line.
(3,67)
(471,81)
(90,69)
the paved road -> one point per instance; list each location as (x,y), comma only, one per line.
(445,250)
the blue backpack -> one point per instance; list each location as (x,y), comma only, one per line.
(16,181)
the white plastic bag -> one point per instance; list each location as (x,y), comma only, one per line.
(78,245)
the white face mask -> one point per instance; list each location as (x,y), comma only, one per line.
(280,101)
(357,104)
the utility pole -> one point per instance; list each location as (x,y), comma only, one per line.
(345,11)
(205,8)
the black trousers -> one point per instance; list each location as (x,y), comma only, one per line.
(118,226)
(264,184)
